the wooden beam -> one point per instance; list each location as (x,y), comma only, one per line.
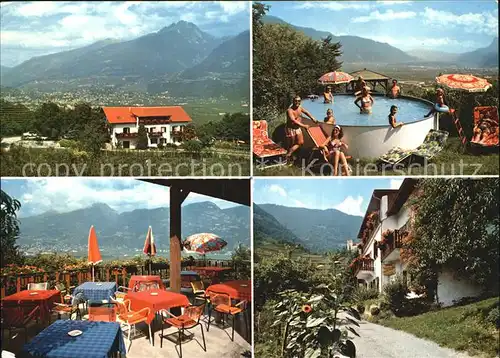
(177,196)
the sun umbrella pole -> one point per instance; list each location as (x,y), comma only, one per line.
(93,277)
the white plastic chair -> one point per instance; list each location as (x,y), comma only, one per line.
(38,286)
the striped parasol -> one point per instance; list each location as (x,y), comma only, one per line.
(468,83)
(335,77)
(203,243)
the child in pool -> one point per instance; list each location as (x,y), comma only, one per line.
(440,105)
(332,151)
(392,117)
(329,119)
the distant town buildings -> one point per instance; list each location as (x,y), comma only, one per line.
(161,123)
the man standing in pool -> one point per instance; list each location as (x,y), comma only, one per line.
(293,130)
(395,91)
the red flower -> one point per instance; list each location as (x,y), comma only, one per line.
(306,309)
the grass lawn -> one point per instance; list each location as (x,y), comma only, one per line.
(451,161)
(463,328)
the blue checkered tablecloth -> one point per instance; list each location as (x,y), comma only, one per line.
(98,340)
(96,291)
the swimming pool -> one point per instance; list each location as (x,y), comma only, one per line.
(346,112)
(369,135)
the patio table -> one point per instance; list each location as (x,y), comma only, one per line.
(162,300)
(96,291)
(98,340)
(136,279)
(42,298)
(237,290)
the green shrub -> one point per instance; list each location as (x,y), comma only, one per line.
(361,308)
(374,310)
(68,143)
(494,317)
(395,294)
(363,293)
(193,146)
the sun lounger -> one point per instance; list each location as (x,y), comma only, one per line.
(268,153)
(489,140)
(433,143)
(395,156)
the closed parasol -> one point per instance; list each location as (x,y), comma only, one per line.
(335,77)
(468,83)
(149,246)
(94,255)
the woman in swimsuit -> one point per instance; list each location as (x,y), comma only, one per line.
(294,125)
(366,101)
(392,117)
(328,95)
(329,119)
(332,151)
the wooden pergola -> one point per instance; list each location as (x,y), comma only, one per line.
(234,190)
(370,77)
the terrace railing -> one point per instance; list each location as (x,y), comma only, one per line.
(364,265)
(10,284)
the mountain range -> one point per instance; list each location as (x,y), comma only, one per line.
(315,230)
(161,55)
(127,230)
(361,50)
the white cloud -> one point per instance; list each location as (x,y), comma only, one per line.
(396,183)
(385,16)
(480,23)
(274,188)
(351,206)
(234,7)
(68,194)
(299,204)
(393,2)
(334,5)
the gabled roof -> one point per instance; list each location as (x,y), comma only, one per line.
(402,196)
(369,75)
(374,204)
(117,115)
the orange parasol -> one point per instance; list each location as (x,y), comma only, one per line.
(149,246)
(94,255)
(335,78)
(468,83)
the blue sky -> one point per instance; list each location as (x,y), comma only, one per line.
(449,26)
(36,28)
(350,196)
(39,195)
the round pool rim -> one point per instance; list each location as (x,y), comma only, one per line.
(339,121)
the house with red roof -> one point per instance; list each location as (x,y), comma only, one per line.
(161,123)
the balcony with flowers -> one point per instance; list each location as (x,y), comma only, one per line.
(363,267)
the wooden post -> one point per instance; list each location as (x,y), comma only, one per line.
(177,196)
(18,284)
(107,275)
(124,276)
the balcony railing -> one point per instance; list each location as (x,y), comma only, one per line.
(394,241)
(126,135)
(155,134)
(365,265)
(121,275)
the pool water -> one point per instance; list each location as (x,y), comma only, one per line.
(346,112)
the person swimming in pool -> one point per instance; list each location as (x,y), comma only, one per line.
(366,101)
(332,151)
(360,84)
(294,125)
(440,105)
(392,117)
(329,119)
(395,91)
(328,95)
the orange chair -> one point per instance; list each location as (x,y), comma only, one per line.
(188,320)
(71,305)
(128,318)
(221,302)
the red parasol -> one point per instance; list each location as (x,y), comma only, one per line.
(149,246)
(468,83)
(94,255)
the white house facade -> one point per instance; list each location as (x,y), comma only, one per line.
(161,123)
(382,232)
